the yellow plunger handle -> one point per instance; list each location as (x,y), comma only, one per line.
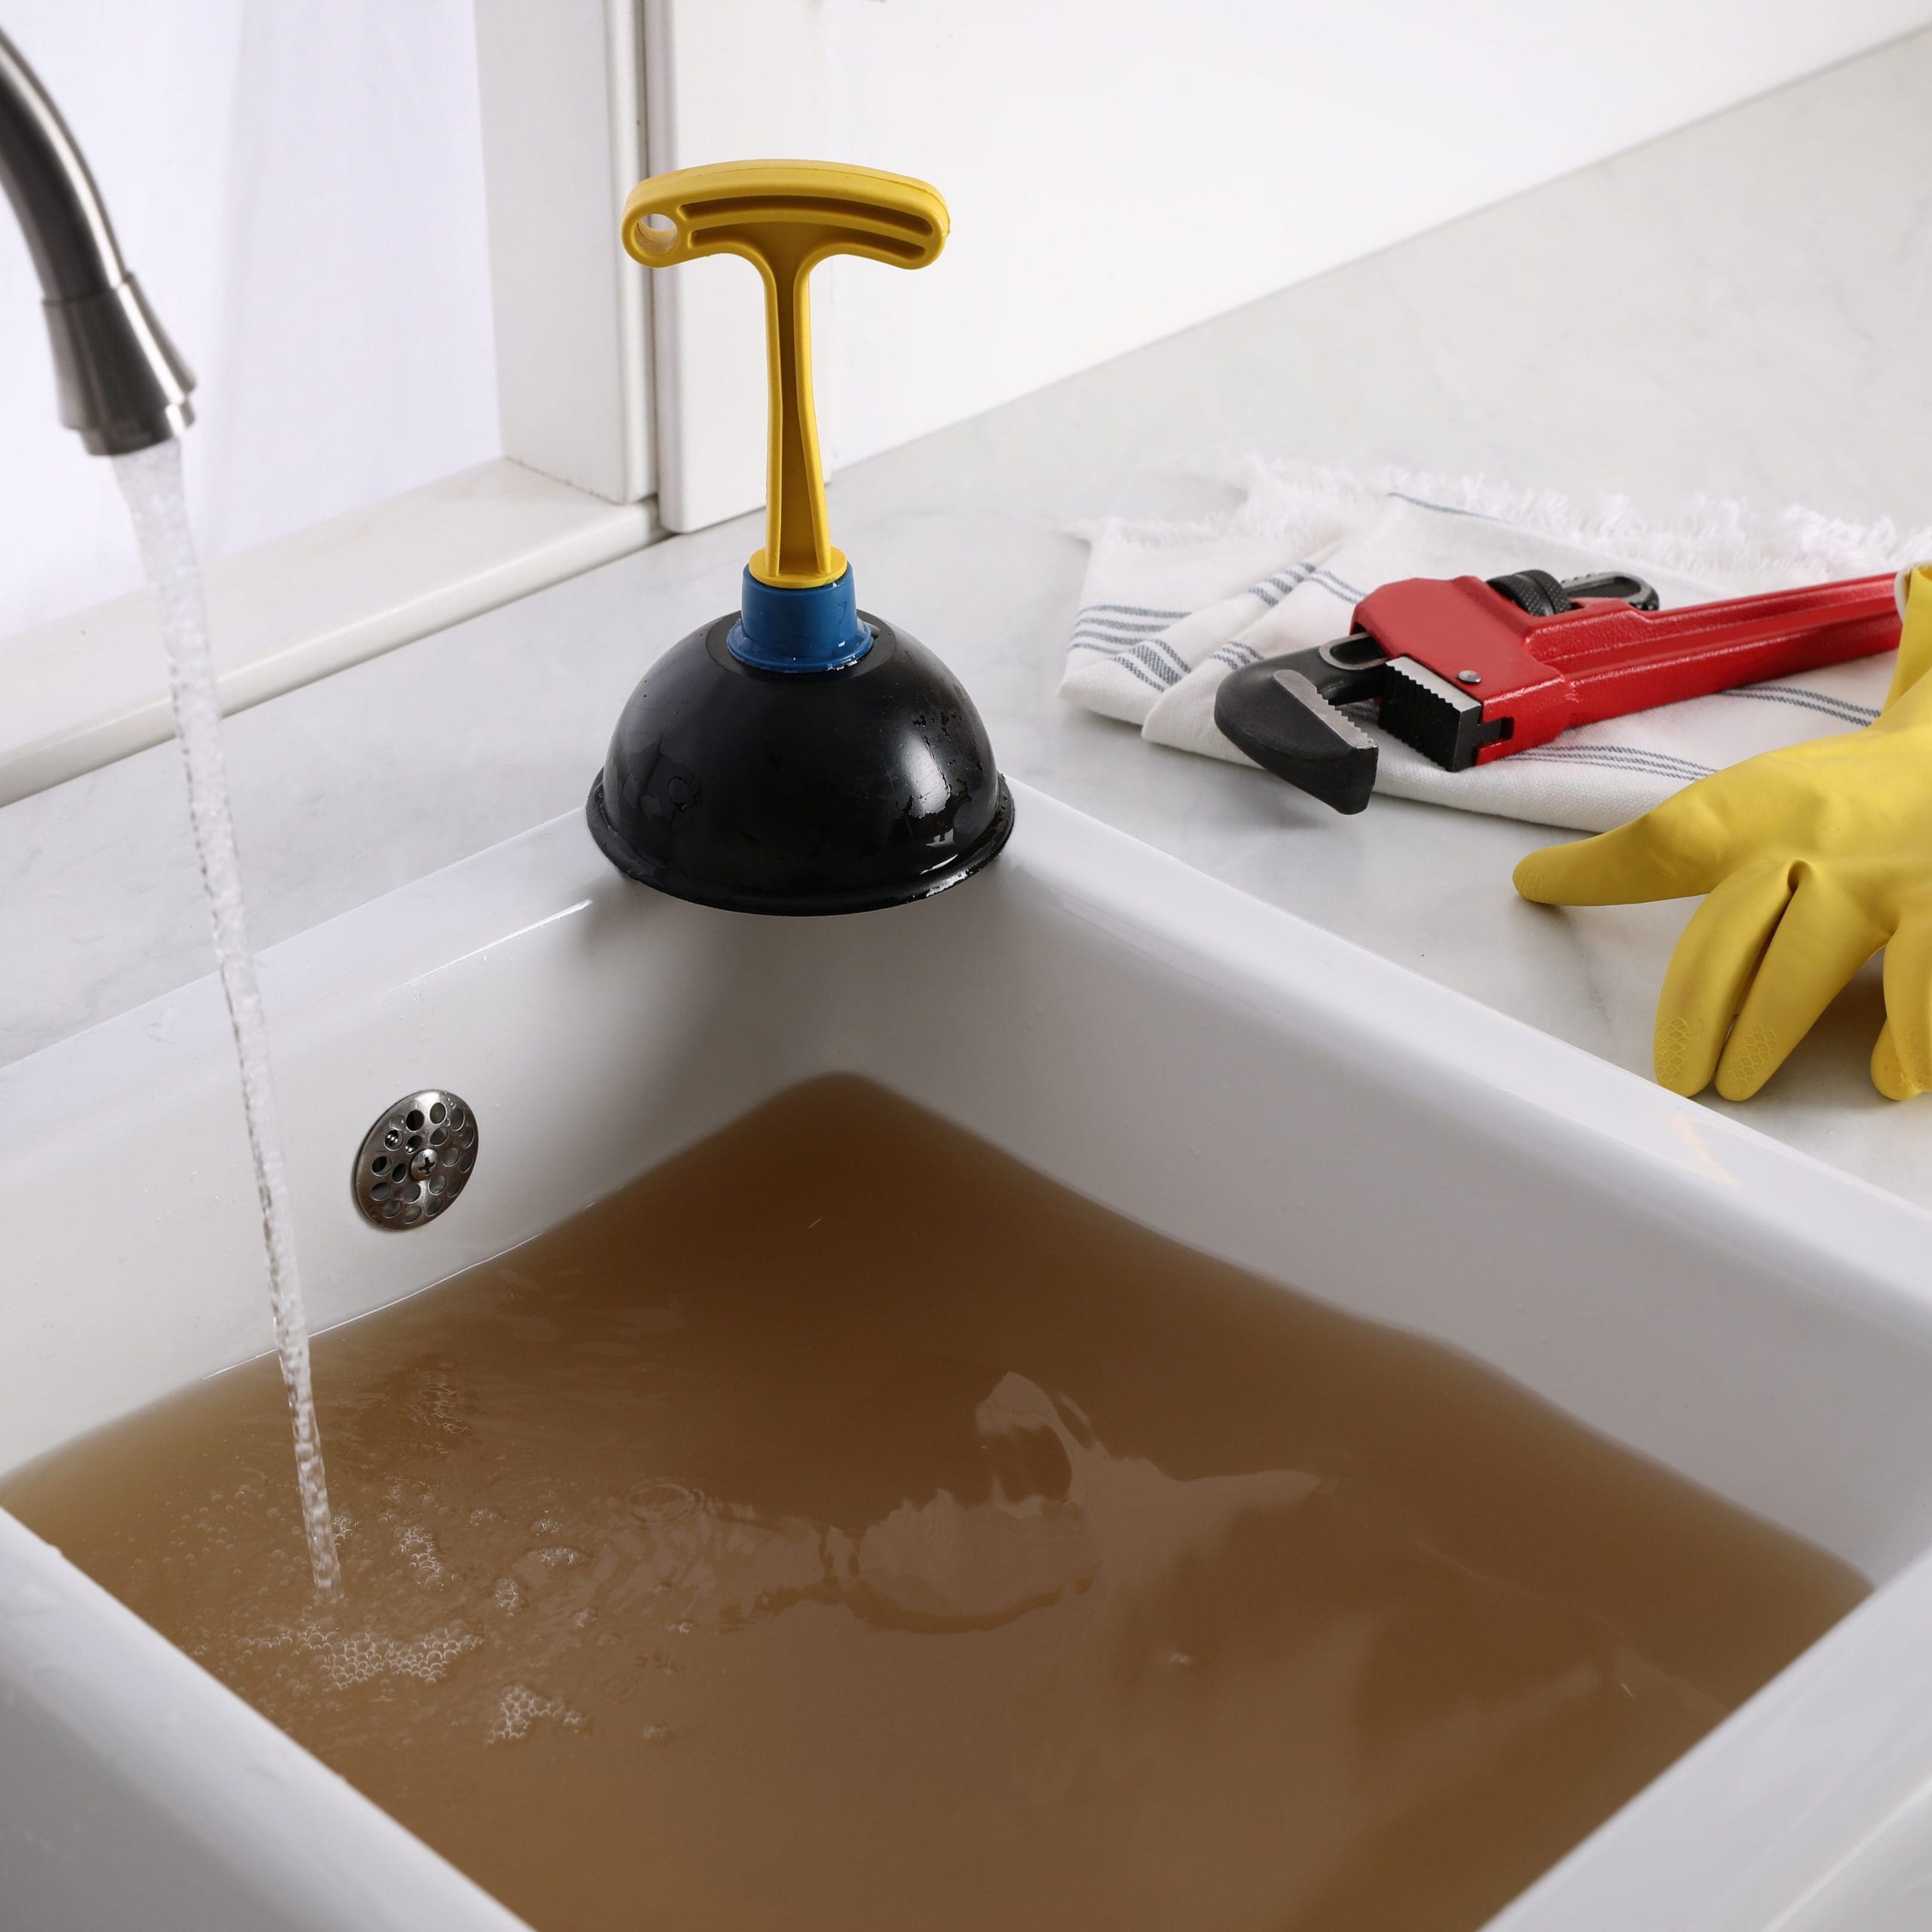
(785,217)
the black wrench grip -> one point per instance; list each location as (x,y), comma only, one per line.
(1277,713)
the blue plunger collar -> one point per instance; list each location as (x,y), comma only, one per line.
(814,629)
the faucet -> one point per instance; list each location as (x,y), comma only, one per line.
(121,382)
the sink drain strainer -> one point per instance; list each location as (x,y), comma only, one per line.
(416,1160)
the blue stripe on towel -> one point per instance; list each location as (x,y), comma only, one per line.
(1630,758)
(1146,677)
(1133,611)
(1137,646)
(1120,626)
(1141,659)
(1840,708)
(1445,509)
(1271,589)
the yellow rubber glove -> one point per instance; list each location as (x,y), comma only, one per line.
(1812,859)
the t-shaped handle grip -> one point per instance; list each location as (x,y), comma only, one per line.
(785,217)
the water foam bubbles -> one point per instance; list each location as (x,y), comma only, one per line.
(345,1659)
(417,1547)
(520,1709)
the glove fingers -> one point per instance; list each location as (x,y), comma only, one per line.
(1675,849)
(1915,656)
(1711,971)
(1902,1061)
(1887,1074)
(1822,940)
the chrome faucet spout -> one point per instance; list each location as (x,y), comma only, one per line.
(121,382)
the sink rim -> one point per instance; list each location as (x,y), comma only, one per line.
(549,887)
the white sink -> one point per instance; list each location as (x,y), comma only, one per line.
(1214,1068)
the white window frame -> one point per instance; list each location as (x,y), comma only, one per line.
(561,89)
(561,86)
(708,102)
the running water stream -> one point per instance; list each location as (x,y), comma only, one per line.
(151,481)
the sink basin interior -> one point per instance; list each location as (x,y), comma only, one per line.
(841,1501)
(1212,1071)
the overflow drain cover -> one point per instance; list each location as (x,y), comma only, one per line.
(416,1160)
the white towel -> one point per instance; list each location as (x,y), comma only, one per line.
(1166,612)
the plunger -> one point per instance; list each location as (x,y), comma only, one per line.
(798,754)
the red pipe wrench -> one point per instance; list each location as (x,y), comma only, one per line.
(1467,670)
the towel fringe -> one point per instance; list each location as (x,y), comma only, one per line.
(1716,537)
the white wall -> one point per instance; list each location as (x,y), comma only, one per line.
(1119,169)
(298,184)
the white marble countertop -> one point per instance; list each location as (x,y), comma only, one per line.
(1739,308)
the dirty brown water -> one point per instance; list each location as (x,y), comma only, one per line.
(843,1526)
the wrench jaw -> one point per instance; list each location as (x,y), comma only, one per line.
(1285,720)
(1285,713)
(1441,720)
